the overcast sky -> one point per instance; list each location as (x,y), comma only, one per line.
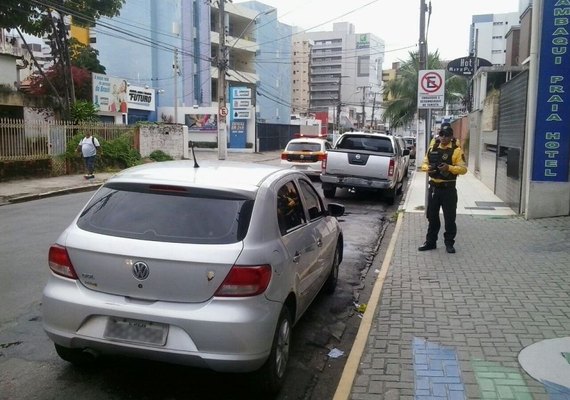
(395,21)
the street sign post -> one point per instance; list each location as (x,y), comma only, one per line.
(431,89)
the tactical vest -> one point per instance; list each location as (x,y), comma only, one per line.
(436,156)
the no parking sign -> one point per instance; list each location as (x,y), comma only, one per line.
(431,88)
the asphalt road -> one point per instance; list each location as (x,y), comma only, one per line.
(30,368)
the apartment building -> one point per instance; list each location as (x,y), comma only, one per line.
(487,36)
(301,59)
(346,75)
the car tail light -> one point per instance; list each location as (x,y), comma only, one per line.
(324,162)
(283,156)
(245,280)
(321,156)
(60,263)
(391,168)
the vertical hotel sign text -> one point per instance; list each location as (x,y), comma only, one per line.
(552,134)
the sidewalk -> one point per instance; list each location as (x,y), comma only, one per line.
(31,189)
(489,322)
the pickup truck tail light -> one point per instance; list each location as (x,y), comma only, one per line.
(321,156)
(324,162)
(391,168)
(284,156)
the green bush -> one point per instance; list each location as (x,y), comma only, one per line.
(159,155)
(114,154)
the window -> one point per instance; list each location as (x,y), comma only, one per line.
(290,213)
(169,214)
(314,204)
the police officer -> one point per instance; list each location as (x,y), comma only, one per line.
(443,162)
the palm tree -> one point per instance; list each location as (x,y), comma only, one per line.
(403,91)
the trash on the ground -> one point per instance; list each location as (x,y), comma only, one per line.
(335,353)
(376,271)
(360,307)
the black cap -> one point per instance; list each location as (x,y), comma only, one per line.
(446,131)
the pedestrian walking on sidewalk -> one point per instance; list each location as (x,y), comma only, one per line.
(443,161)
(88,147)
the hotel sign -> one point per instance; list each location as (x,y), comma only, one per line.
(552,131)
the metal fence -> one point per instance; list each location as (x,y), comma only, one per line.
(25,140)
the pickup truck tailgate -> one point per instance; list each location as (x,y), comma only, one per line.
(359,163)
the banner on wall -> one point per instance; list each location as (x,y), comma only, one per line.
(204,123)
(551,136)
(110,93)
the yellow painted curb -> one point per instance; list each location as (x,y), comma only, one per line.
(349,372)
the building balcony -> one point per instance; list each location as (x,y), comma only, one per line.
(326,70)
(236,76)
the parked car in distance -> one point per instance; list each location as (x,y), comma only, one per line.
(207,266)
(411,145)
(305,154)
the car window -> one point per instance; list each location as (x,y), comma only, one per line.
(140,212)
(328,146)
(312,200)
(367,143)
(290,212)
(303,146)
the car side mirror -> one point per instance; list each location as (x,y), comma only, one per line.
(335,209)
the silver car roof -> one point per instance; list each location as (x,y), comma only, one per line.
(228,175)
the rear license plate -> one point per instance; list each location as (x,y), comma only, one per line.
(136,331)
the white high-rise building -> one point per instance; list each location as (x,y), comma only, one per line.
(487,35)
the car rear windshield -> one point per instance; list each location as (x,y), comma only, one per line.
(168,214)
(366,143)
(303,147)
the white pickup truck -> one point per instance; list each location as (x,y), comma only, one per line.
(365,161)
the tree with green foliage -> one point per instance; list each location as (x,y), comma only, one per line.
(402,92)
(46,17)
(85,57)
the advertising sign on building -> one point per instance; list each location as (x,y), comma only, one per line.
(141,98)
(362,41)
(204,123)
(110,93)
(466,66)
(431,89)
(552,124)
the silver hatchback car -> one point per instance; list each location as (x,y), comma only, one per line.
(206,266)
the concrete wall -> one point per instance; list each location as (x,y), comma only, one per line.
(8,71)
(170,138)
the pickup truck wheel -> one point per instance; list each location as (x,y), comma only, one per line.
(329,192)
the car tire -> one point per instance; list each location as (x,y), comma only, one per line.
(271,376)
(330,284)
(329,192)
(77,357)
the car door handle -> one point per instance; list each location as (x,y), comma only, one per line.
(319,243)
(296,257)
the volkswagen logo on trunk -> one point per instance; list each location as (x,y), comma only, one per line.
(141,270)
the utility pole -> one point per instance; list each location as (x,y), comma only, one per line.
(363,105)
(175,67)
(222,66)
(422,66)
(373,107)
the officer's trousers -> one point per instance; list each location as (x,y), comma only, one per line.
(446,199)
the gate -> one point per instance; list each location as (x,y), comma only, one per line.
(275,136)
(510,141)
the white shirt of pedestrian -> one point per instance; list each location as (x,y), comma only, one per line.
(87,147)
